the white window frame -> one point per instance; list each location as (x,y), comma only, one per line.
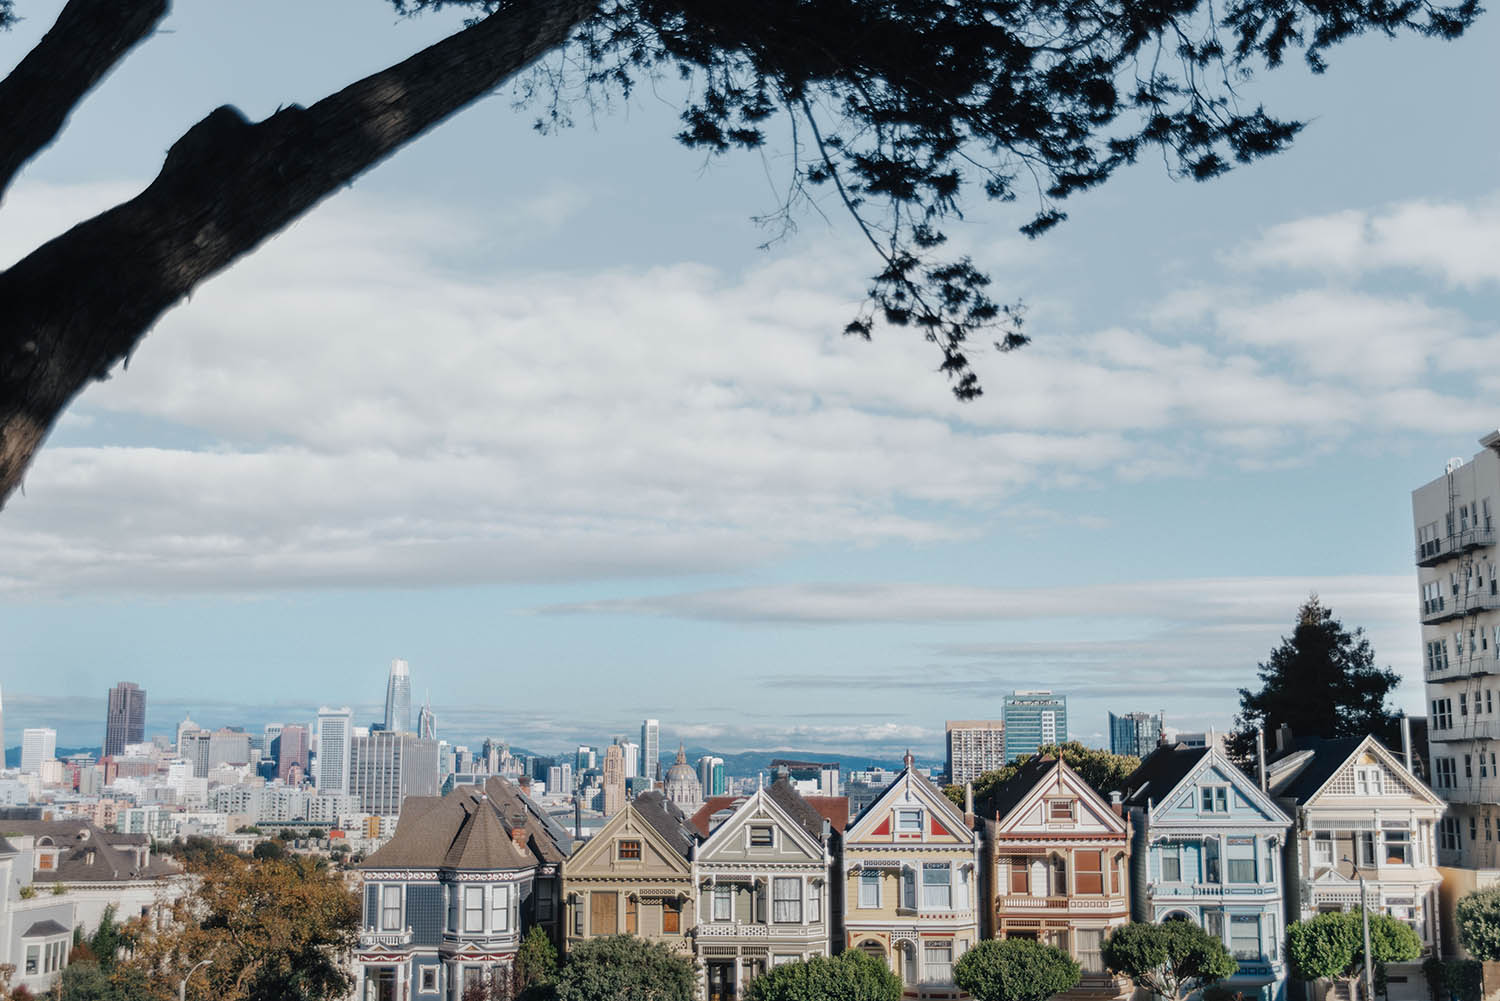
(500,908)
(869,879)
(470,908)
(908,820)
(931,971)
(1243,921)
(786,900)
(1171,851)
(935,885)
(427,980)
(390,902)
(751,832)
(723,893)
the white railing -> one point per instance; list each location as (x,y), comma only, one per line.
(385,939)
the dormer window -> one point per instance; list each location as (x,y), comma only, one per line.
(1369,781)
(762,836)
(1213,799)
(46,860)
(1060,809)
(908,821)
(628,850)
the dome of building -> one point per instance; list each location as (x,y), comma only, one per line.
(683,787)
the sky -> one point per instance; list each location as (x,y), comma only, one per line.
(539,415)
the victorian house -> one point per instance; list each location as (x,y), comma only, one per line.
(1361,813)
(1055,868)
(449,897)
(911,884)
(766,883)
(1206,847)
(634,877)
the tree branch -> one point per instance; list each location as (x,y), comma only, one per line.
(82,302)
(89,38)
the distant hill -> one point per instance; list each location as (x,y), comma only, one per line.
(13,754)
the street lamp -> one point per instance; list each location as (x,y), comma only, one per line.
(1364,917)
(182,984)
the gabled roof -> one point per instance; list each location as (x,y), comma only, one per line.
(702,820)
(929,792)
(1313,762)
(1161,772)
(784,806)
(549,839)
(462,830)
(805,812)
(1004,798)
(666,819)
(1020,796)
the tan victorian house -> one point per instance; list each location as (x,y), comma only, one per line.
(911,894)
(634,877)
(1055,868)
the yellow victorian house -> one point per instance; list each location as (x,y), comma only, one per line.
(634,877)
(910,870)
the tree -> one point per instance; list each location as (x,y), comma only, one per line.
(276,930)
(1322,682)
(110,938)
(536,961)
(625,968)
(1331,946)
(849,976)
(1104,771)
(272,849)
(1479,923)
(902,109)
(1016,969)
(1172,960)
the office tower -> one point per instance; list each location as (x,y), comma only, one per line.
(427,721)
(614,780)
(975,746)
(711,776)
(387,766)
(125,719)
(335,731)
(398,698)
(632,754)
(183,727)
(585,760)
(560,779)
(194,746)
(38,744)
(1134,733)
(651,749)
(1453,524)
(228,746)
(1032,719)
(272,731)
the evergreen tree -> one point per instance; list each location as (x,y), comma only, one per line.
(1322,682)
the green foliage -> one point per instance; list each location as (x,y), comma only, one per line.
(28,891)
(536,960)
(108,939)
(1322,682)
(88,981)
(1173,959)
(1479,923)
(625,968)
(1104,771)
(58,889)
(850,976)
(272,849)
(248,829)
(1016,969)
(1454,979)
(1331,945)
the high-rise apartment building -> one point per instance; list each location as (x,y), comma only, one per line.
(228,746)
(1459,601)
(387,766)
(398,698)
(975,746)
(38,744)
(711,776)
(614,780)
(290,750)
(194,746)
(1032,719)
(632,752)
(1134,733)
(651,749)
(125,718)
(335,732)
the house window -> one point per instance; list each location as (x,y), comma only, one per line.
(1020,874)
(473,908)
(1366,848)
(1239,860)
(1213,923)
(1244,936)
(1211,860)
(815,902)
(543,902)
(786,900)
(1268,866)
(1213,799)
(1090,944)
(937,886)
(390,908)
(869,888)
(428,980)
(1446,773)
(908,821)
(937,962)
(1368,781)
(45,860)
(1463,703)
(1060,809)
(724,903)
(671,917)
(33,958)
(1171,863)
(1468,766)
(1088,872)
(1397,847)
(577,903)
(632,915)
(500,908)
(453,908)
(762,837)
(628,851)
(1448,834)
(909,889)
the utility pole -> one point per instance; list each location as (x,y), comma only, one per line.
(182,984)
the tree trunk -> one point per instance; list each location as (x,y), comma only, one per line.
(82,302)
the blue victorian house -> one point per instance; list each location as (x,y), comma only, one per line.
(1206,848)
(448,899)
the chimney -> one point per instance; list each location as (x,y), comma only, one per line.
(969,803)
(1260,757)
(1406,740)
(518,835)
(1283,739)
(1117,803)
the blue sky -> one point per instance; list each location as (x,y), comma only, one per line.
(536,414)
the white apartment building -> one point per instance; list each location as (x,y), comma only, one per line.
(38,744)
(975,746)
(1459,603)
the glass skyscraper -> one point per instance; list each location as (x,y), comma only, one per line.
(1134,733)
(1032,719)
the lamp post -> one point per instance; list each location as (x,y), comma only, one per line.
(1364,918)
(182,984)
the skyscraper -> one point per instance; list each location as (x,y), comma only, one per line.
(125,719)
(711,776)
(335,731)
(975,746)
(427,721)
(632,753)
(651,749)
(1032,719)
(614,780)
(1134,733)
(398,698)
(385,767)
(38,744)
(291,750)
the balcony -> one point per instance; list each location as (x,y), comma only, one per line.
(1437,550)
(1456,670)
(1071,905)
(1456,606)
(750,929)
(385,939)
